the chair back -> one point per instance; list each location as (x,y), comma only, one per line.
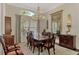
(51,40)
(30,34)
(8,39)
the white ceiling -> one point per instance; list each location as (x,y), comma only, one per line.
(45,7)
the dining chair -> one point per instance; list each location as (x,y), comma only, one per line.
(5,50)
(9,44)
(29,38)
(36,44)
(13,51)
(50,43)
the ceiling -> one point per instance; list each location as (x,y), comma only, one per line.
(45,7)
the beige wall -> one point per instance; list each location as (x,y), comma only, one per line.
(2,14)
(0,30)
(0,19)
(1,26)
(72,9)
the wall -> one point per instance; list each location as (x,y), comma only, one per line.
(0,18)
(1,26)
(0,29)
(72,9)
(2,14)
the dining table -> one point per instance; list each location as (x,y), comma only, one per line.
(41,41)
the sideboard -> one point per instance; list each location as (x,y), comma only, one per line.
(68,41)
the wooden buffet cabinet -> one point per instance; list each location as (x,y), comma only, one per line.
(68,41)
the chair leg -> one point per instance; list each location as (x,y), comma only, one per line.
(48,51)
(38,50)
(30,46)
(27,44)
(33,49)
(44,48)
(41,49)
(54,50)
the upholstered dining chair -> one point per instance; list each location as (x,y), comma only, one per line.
(12,51)
(5,50)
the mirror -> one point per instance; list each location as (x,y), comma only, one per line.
(56,25)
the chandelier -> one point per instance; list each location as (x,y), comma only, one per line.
(39,16)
